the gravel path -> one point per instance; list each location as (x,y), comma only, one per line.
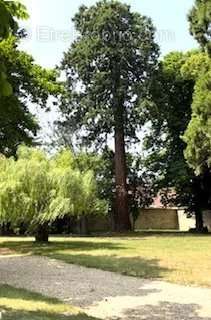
(106,295)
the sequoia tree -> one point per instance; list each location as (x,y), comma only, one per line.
(108,68)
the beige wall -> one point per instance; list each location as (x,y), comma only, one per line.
(207,219)
(160,219)
(185,224)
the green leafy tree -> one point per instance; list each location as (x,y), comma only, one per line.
(76,188)
(108,69)
(200,23)
(31,84)
(27,191)
(169,116)
(10,11)
(198,67)
(198,135)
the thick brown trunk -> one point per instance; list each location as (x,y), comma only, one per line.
(121,197)
(121,200)
(199,220)
(42,234)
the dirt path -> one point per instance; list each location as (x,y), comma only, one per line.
(106,295)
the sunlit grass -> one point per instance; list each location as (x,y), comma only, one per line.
(176,257)
(21,304)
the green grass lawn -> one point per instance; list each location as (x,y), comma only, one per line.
(175,257)
(18,304)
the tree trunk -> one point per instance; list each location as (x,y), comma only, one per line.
(84,226)
(5,230)
(42,234)
(199,220)
(121,200)
(121,196)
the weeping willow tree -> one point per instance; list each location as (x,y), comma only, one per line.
(77,190)
(37,190)
(26,191)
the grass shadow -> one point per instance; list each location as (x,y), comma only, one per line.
(41,248)
(130,266)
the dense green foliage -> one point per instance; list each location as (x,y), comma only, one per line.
(36,190)
(9,12)
(113,42)
(198,134)
(168,116)
(21,82)
(200,23)
(31,84)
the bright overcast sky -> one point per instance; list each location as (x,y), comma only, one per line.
(51,32)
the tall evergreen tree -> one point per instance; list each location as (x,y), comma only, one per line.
(108,68)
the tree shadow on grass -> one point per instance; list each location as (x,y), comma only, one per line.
(165,310)
(25,247)
(12,315)
(131,266)
(24,305)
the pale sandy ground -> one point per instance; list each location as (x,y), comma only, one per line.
(106,295)
(169,301)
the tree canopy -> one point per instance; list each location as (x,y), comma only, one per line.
(169,115)
(200,23)
(31,84)
(10,11)
(198,134)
